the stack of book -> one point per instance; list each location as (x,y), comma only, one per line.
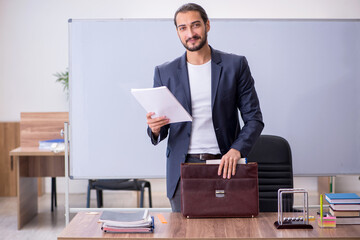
(345,207)
(127,222)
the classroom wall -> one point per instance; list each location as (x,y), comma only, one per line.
(34,43)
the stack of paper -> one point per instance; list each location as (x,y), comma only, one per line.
(327,222)
(162,102)
(127,222)
(344,206)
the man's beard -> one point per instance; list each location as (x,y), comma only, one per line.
(198,47)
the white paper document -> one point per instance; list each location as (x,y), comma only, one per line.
(217,161)
(162,102)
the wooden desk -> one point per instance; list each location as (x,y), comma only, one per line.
(86,226)
(33,163)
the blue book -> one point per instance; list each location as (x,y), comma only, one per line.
(342,198)
(60,140)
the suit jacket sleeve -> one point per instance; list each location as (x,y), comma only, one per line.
(164,130)
(248,104)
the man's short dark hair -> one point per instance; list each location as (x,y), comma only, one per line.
(191,7)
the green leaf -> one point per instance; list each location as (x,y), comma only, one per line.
(63,78)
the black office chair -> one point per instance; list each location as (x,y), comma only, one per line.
(118,184)
(273,155)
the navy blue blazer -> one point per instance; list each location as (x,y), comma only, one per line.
(232,88)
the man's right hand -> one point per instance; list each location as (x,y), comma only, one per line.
(156,123)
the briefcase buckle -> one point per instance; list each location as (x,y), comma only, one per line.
(219,193)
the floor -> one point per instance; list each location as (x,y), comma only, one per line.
(48,225)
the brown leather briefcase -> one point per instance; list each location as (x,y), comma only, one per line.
(205,194)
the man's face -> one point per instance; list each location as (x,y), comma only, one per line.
(192,30)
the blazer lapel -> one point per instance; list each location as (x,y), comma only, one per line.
(216,69)
(184,82)
(215,74)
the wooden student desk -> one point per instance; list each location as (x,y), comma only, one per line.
(33,163)
(30,163)
(85,226)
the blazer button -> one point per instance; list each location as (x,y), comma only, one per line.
(188,134)
(216,129)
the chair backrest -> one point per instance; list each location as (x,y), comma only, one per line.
(273,155)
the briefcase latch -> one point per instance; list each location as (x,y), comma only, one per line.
(220,193)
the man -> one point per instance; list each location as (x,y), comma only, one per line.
(212,86)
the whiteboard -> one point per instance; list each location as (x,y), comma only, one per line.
(307,75)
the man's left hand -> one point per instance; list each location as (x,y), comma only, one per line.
(228,163)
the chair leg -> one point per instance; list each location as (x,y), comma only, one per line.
(142,197)
(88,194)
(150,200)
(53,193)
(99,198)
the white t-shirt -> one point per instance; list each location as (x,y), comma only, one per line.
(203,138)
